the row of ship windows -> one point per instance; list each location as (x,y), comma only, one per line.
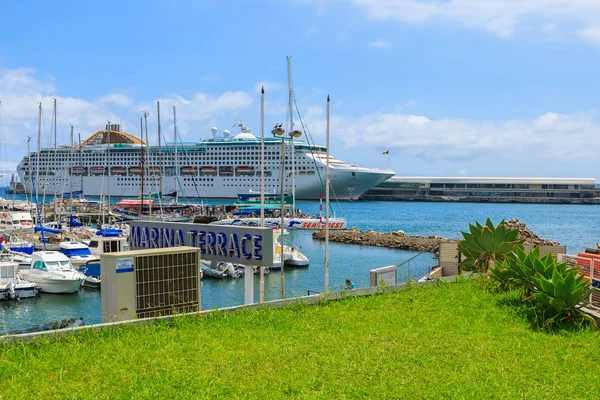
(185,184)
(55,165)
(252,155)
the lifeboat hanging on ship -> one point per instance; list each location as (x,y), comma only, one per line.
(154,171)
(98,170)
(78,171)
(244,171)
(135,170)
(210,171)
(120,171)
(189,171)
(226,171)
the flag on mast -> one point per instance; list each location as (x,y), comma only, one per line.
(385,153)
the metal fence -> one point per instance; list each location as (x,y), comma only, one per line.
(590,267)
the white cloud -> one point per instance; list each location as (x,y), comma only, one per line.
(500,17)
(311,31)
(591,33)
(380,44)
(547,119)
(22,89)
(551,136)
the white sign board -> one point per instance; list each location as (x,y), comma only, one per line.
(124,265)
(235,244)
(386,276)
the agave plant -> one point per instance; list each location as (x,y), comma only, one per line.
(563,295)
(485,244)
(558,289)
(520,269)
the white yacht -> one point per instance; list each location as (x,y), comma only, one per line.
(52,272)
(11,285)
(218,167)
(16,222)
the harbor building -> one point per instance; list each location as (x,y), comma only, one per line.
(487,189)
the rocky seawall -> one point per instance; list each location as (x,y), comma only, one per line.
(398,240)
(393,240)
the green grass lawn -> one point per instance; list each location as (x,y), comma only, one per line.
(453,340)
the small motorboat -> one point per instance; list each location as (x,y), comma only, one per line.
(16,244)
(91,282)
(294,258)
(81,257)
(221,270)
(52,272)
(12,287)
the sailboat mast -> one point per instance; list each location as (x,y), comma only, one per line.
(54,120)
(108,162)
(176,163)
(81,166)
(142,164)
(327,204)
(29,161)
(290,101)
(70,165)
(262,187)
(39,150)
(160,160)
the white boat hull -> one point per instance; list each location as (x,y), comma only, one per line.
(288,223)
(50,285)
(26,290)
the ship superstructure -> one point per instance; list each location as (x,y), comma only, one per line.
(219,167)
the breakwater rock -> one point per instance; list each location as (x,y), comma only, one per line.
(394,240)
(527,234)
(398,240)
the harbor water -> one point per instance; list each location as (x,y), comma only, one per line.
(576,226)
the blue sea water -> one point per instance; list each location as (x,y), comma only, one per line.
(576,226)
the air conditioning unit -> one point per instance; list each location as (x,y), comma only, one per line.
(150,283)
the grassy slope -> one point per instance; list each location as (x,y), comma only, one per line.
(450,341)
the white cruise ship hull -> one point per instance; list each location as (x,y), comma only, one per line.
(347,184)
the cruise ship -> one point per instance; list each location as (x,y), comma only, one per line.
(222,166)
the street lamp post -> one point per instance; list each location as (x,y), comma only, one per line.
(278,131)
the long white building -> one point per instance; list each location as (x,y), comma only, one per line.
(492,189)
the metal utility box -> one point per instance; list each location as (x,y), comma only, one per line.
(149,283)
(385,276)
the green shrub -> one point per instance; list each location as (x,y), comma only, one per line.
(557,289)
(486,244)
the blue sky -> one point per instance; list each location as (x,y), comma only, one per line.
(456,87)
